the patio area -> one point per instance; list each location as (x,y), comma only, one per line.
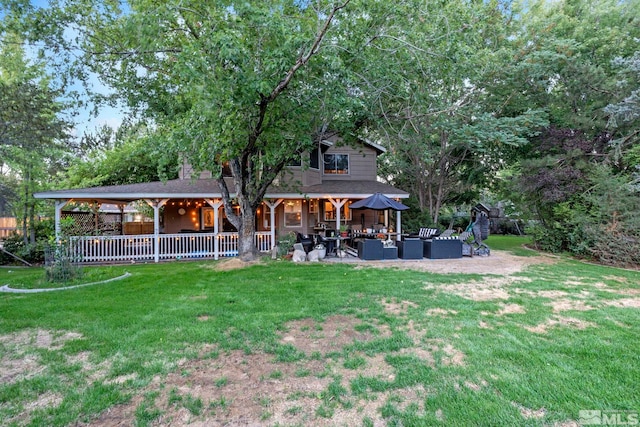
(500,262)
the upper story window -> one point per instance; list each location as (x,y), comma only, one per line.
(336,164)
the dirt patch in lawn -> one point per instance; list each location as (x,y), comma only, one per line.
(397,308)
(20,359)
(511,309)
(232,264)
(625,303)
(528,413)
(235,388)
(440,312)
(487,289)
(561,321)
(310,336)
(570,305)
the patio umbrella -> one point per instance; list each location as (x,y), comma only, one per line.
(379,202)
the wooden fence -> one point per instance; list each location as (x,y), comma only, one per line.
(8,226)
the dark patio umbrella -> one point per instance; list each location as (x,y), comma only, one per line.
(379,202)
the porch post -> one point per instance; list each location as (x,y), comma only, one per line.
(272,218)
(338,203)
(215,204)
(398,226)
(156,205)
(60,204)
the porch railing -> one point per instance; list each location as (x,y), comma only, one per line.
(96,249)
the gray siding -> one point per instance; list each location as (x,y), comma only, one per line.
(362,167)
(362,164)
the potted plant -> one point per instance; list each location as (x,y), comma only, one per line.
(343,230)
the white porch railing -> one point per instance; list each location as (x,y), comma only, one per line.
(96,249)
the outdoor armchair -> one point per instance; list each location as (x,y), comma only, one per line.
(370,249)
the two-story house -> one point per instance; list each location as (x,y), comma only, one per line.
(189,219)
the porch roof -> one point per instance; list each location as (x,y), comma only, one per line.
(208,188)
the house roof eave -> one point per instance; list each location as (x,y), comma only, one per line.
(201,189)
(377,147)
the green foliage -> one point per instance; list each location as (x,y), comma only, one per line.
(285,243)
(546,238)
(30,252)
(414,217)
(34,132)
(248,85)
(446,131)
(457,91)
(60,264)
(601,223)
(127,156)
(625,114)
(566,65)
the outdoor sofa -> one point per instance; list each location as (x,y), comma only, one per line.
(442,248)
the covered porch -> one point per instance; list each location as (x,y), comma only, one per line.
(188,219)
(201,231)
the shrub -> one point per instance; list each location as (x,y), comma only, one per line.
(285,243)
(60,265)
(549,239)
(32,253)
(615,244)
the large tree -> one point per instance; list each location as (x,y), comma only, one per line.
(245,83)
(575,59)
(445,132)
(120,156)
(33,130)
(624,115)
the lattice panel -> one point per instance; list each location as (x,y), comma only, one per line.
(84,224)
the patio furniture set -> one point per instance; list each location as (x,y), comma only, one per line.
(428,243)
(411,248)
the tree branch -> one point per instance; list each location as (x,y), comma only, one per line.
(282,85)
(135,52)
(303,59)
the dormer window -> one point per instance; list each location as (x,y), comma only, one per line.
(336,164)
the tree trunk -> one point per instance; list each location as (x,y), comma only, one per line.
(246,237)
(25,209)
(32,213)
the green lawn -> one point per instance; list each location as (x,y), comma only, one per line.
(321,344)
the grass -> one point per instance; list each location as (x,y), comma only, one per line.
(68,356)
(34,278)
